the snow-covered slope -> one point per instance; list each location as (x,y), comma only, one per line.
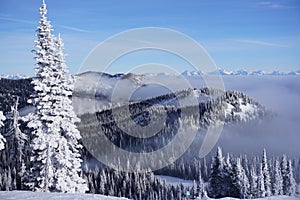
(267,198)
(27,195)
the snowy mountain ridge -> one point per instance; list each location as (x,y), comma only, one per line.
(221,71)
(242,72)
(14,76)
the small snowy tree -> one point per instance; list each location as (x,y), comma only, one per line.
(2,139)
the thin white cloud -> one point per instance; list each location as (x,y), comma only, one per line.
(273,5)
(17,20)
(259,42)
(33,22)
(75,29)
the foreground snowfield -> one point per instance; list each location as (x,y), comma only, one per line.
(27,195)
(269,198)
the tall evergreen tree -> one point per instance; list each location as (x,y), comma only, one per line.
(70,165)
(41,172)
(261,192)
(56,160)
(2,139)
(228,176)
(277,180)
(284,173)
(240,181)
(200,185)
(253,182)
(266,174)
(290,183)
(216,177)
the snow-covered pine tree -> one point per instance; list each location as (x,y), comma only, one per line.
(216,176)
(253,182)
(297,170)
(261,192)
(204,170)
(240,181)
(266,174)
(200,184)
(103,182)
(43,143)
(228,176)
(194,192)
(70,165)
(290,183)
(55,160)
(284,172)
(277,180)
(2,139)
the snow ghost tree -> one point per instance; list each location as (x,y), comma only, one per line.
(2,139)
(16,141)
(56,162)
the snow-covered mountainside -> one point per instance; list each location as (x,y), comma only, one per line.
(214,106)
(234,106)
(98,88)
(10,89)
(27,195)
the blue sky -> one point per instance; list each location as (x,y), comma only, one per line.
(237,34)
